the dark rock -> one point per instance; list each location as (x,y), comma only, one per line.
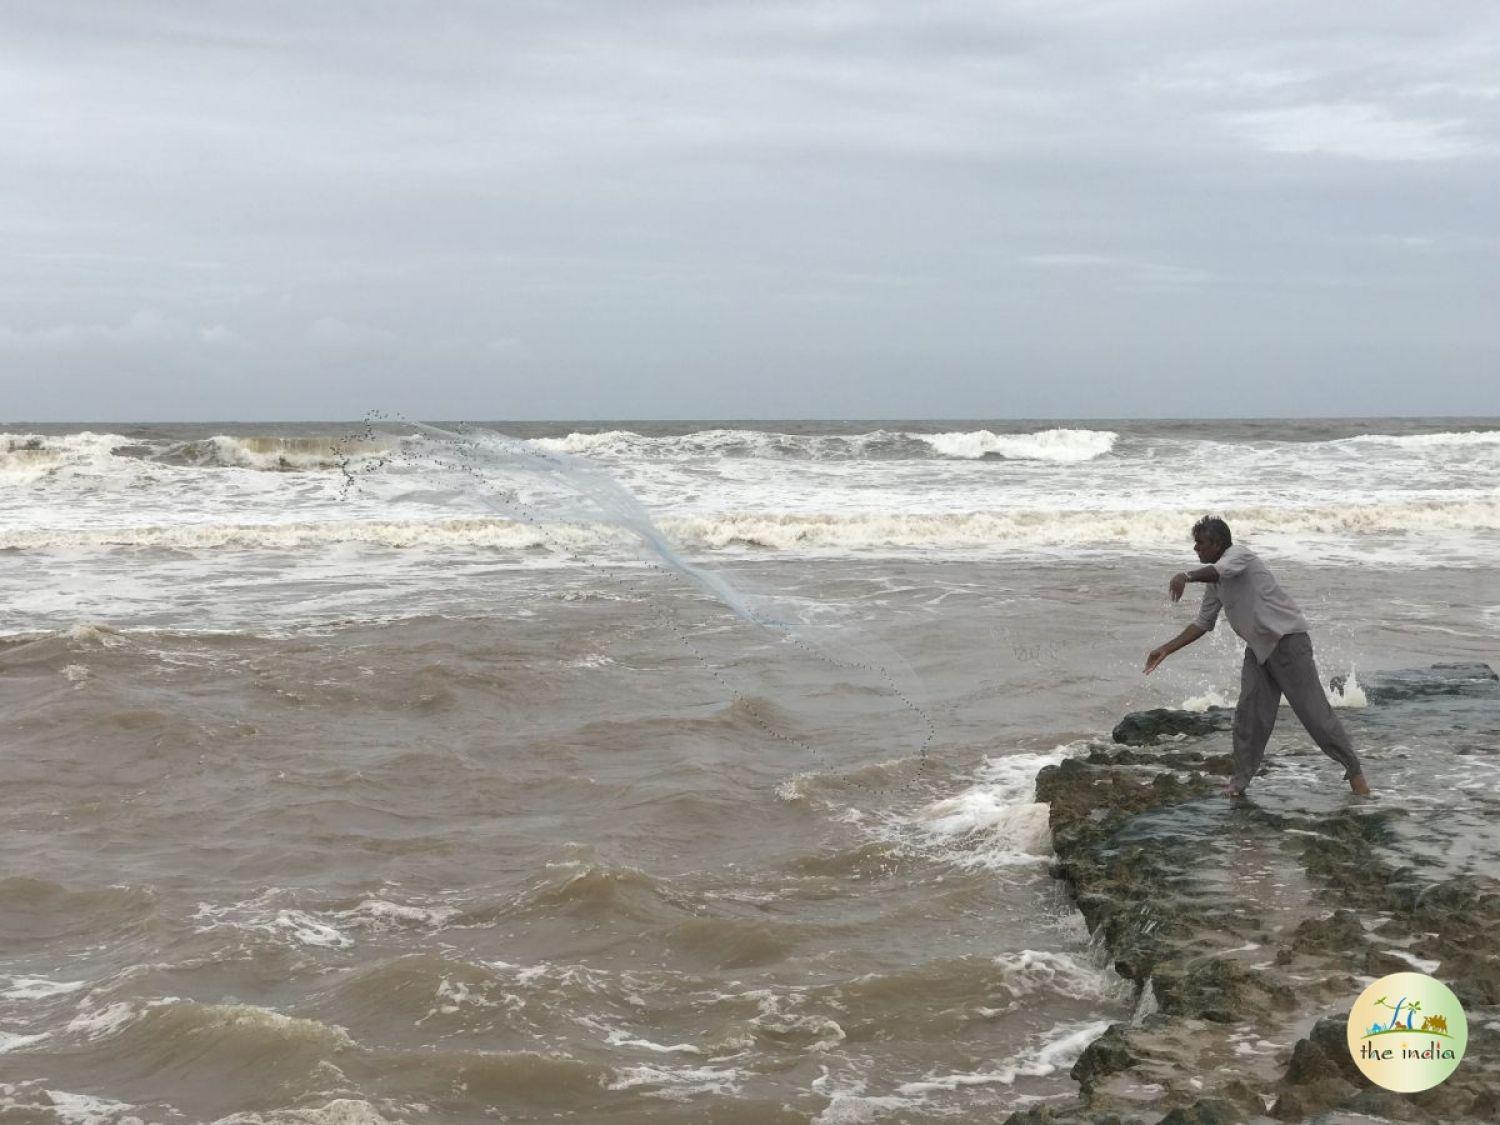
(1065,1115)
(1208,1111)
(1321,1074)
(1095,908)
(1382,1103)
(1220,765)
(1473,975)
(1036,1115)
(1331,1033)
(1309,1064)
(1342,854)
(1239,1092)
(1141,728)
(1486,1105)
(1219,990)
(1144,858)
(1301,1102)
(1379,963)
(1466,912)
(1439,679)
(1445,1102)
(1468,894)
(1109,1054)
(1338,933)
(1179,759)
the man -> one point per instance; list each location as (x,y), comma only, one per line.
(1278,654)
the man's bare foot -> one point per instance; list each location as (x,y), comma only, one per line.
(1359,785)
(1233,790)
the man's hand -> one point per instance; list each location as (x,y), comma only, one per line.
(1161,652)
(1176,587)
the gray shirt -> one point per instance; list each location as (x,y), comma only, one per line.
(1259,610)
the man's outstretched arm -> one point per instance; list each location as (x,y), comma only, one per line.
(1182,639)
(1179,582)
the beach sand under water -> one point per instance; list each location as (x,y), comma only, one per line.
(332,804)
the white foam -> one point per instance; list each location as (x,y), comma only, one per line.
(94,631)
(618,1037)
(1010,832)
(679,1083)
(307,930)
(994,823)
(1057,1052)
(339,1111)
(1032,970)
(1461,439)
(88,1109)
(775,1017)
(35,988)
(1146,1004)
(481,532)
(102,1022)
(1352,694)
(1032,528)
(1210,698)
(26,459)
(1067,446)
(15,1041)
(858,1109)
(379,914)
(454,996)
(1055,445)
(262,915)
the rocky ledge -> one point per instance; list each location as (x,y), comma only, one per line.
(1249,927)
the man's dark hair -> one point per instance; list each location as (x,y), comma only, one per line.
(1213,529)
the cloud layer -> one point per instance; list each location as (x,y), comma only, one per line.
(673,209)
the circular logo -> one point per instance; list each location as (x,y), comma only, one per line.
(1407,1032)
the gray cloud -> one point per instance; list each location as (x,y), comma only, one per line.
(145,329)
(747,209)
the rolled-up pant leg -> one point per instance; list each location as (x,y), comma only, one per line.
(1291,663)
(1254,717)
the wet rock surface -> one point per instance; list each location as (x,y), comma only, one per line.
(1439,679)
(1249,927)
(1143,728)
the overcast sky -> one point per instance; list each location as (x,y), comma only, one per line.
(703,209)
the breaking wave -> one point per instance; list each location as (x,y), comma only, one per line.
(276,454)
(1456,438)
(1015,529)
(1049,527)
(1062,445)
(28,457)
(34,455)
(31,454)
(1046,445)
(478,532)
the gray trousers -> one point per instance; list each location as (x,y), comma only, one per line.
(1289,671)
